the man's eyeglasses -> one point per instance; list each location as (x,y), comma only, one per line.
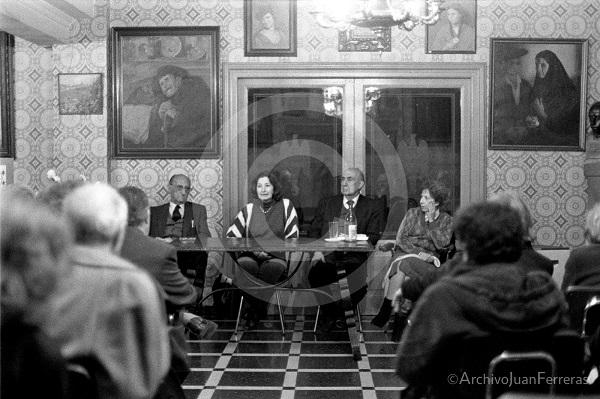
(180,187)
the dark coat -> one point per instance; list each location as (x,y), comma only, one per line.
(583,267)
(369,215)
(160,260)
(192,211)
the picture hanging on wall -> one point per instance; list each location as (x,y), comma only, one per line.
(270,28)
(538,92)
(7,138)
(455,31)
(163,92)
(80,93)
(363,39)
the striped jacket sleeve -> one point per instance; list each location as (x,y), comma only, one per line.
(240,224)
(291,220)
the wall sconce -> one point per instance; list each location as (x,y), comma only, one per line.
(333,98)
(372,94)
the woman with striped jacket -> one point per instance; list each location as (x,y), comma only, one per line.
(267,216)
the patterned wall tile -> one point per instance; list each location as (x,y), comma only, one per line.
(552,183)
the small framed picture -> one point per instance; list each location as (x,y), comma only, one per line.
(363,39)
(538,92)
(164,92)
(7,114)
(80,93)
(455,31)
(270,28)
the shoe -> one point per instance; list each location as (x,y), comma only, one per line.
(400,322)
(384,314)
(202,328)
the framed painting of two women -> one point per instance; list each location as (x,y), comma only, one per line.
(538,93)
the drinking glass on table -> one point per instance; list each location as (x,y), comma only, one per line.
(334,227)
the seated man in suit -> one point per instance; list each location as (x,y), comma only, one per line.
(181,218)
(369,215)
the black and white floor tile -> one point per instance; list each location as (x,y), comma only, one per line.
(299,364)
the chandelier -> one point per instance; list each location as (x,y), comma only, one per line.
(376,14)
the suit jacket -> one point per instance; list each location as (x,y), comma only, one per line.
(368,212)
(191,211)
(583,267)
(160,260)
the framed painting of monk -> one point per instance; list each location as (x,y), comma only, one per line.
(7,137)
(163,92)
(270,28)
(538,93)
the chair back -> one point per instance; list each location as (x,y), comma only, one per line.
(472,357)
(510,368)
(591,316)
(581,304)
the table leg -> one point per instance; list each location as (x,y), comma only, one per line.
(346,301)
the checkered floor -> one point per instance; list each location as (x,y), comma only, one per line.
(265,364)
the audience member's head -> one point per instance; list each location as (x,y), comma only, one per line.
(592,225)
(489,232)
(98,215)
(179,188)
(34,245)
(54,195)
(513,200)
(138,209)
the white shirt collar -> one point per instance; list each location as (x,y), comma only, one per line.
(354,201)
(172,206)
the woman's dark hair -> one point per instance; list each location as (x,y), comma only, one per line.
(274,182)
(490,232)
(438,191)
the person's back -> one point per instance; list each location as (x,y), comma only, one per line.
(108,310)
(493,296)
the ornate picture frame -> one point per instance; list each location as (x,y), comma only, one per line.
(538,94)
(456,30)
(363,39)
(164,92)
(80,94)
(270,28)
(7,114)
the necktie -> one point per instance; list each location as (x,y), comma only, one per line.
(176,214)
(350,203)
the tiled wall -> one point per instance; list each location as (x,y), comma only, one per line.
(552,182)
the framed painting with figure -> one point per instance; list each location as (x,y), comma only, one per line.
(7,114)
(163,92)
(538,92)
(456,29)
(270,28)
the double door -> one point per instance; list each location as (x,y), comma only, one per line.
(402,132)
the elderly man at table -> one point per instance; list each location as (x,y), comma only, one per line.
(181,218)
(369,216)
(106,310)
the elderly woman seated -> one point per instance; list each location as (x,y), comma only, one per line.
(423,238)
